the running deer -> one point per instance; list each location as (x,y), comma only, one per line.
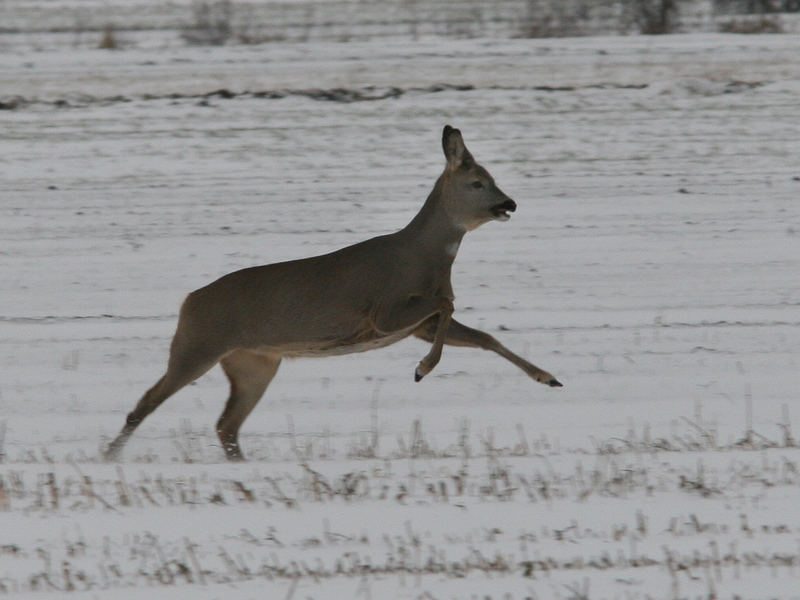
(361,297)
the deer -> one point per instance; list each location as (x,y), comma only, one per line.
(361,297)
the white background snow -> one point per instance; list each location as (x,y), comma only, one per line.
(652,266)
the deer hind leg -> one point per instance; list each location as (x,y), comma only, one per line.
(461,335)
(185,365)
(250,374)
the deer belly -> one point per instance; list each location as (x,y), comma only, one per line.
(367,340)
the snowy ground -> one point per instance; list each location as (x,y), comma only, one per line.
(652,266)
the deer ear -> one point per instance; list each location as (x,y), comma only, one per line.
(454,149)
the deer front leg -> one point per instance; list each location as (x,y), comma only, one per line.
(461,335)
(426,365)
(414,311)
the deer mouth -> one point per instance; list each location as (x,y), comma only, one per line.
(500,211)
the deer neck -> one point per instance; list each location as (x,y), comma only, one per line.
(433,229)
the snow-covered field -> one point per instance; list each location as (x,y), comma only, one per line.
(653,266)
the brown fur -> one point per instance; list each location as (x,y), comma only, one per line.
(361,297)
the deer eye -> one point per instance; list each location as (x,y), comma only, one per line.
(477,185)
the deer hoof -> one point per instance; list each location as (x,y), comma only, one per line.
(111,455)
(418,375)
(554,383)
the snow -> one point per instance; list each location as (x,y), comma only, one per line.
(651,266)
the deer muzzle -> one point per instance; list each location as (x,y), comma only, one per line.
(500,211)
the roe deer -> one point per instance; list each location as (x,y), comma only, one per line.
(361,297)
